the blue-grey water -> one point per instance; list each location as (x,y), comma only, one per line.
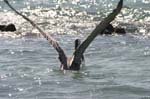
(116,67)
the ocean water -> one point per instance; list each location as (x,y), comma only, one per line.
(116,66)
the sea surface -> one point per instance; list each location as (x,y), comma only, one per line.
(116,66)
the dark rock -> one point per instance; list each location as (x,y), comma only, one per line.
(9,27)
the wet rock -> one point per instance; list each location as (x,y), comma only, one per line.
(9,27)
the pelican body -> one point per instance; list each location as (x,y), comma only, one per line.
(70,59)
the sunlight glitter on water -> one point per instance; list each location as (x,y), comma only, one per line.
(117,67)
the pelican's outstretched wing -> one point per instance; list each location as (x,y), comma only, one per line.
(81,49)
(52,41)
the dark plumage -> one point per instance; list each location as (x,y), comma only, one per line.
(70,59)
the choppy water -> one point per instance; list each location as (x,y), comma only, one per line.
(117,67)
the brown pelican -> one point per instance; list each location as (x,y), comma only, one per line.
(75,61)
